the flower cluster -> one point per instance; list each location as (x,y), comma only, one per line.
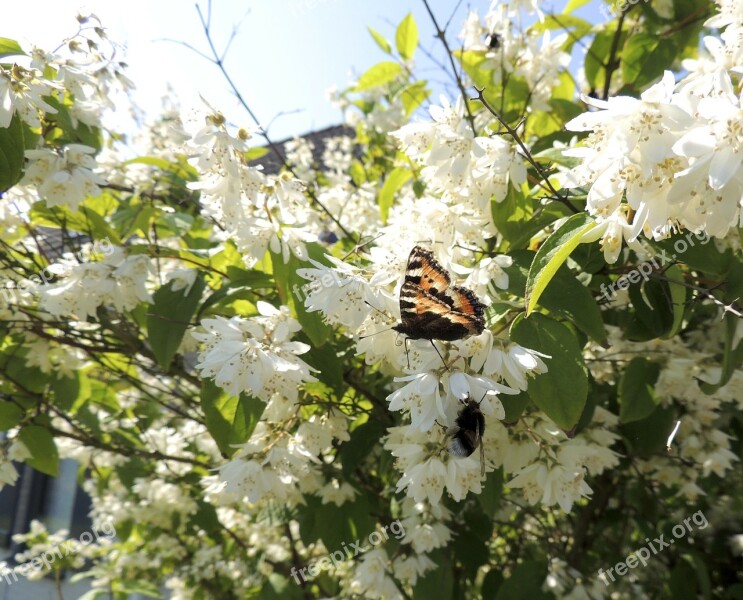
(232,375)
(118,280)
(668,160)
(255,356)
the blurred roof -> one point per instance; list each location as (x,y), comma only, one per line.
(272,161)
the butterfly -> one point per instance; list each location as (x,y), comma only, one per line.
(470,427)
(431,308)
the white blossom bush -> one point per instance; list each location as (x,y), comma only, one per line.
(214,345)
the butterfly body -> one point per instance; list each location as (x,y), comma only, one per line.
(431,308)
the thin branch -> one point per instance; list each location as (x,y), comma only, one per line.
(441,34)
(526,152)
(612,64)
(731,308)
(186,45)
(218,60)
(452,15)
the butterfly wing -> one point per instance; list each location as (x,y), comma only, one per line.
(465,304)
(430,308)
(424,316)
(426,272)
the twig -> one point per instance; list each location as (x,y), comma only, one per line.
(612,63)
(526,152)
(726,308)
(441,34)
(218,60)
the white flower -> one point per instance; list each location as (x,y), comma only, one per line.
(342,295)
(371,579)
(424,481)
(22,92)
(481,390)
(247,479)
(183,279)
(409,568)
(421,398)
(512,363)
(425,537)
(556,485)
(66,178)
(118,280)
(613,230)
(337,493)
(254,355)
(16,452)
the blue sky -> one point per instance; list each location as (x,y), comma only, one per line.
(287,53)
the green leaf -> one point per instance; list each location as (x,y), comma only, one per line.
(291,285)
(561,392)
(40,443)
(395,180)
(517,220)
(85,220)
(652,314)
(492,583)
(175,223)
(206,517)
(381,41)
(637,399)
(406,37)
(278,587)
(573,5)
(11,154)
(563,22)
(514,406)
(70,393)
(10,47)
(597,56)
(364,439)
(696,559)
(438,583)
(731,358)
(678,293)
(230,420)
(650,435)
(525,582)
(329,365)
(30,377)
(469,550)
(336,525)
(377,75)
(570,298)
(552,253)
(71,132)
(169,317)
(413,96)
(699,253)
(492,492)
(645,57)
(10,415)
(256,153)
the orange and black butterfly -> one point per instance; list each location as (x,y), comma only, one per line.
(431,308)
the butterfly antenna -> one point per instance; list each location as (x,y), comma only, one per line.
(363,337)
(381,312)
